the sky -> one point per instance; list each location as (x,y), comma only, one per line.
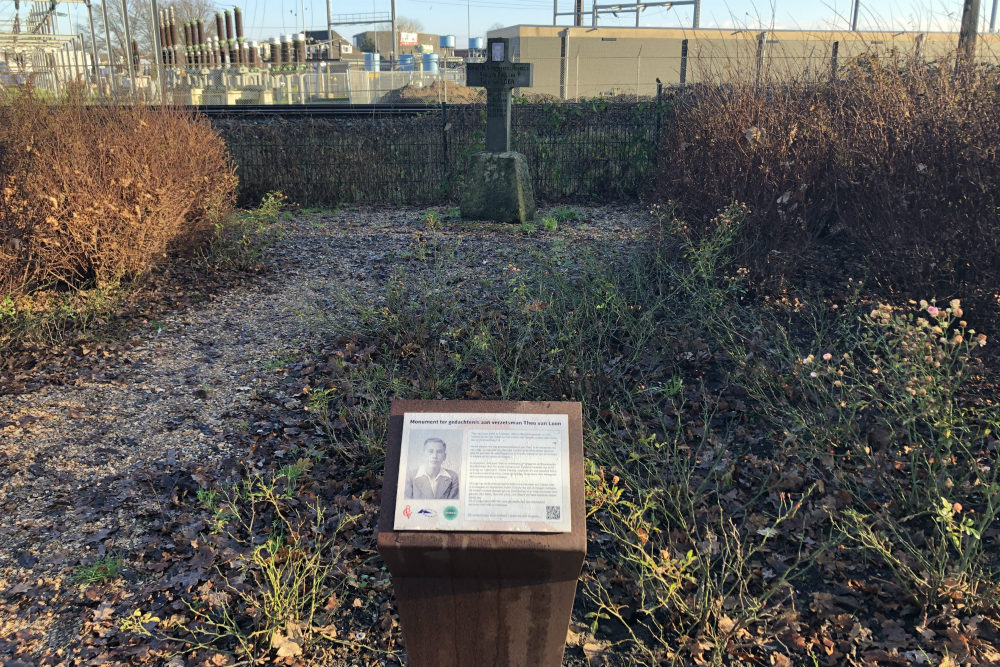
(269,18)
(459,17)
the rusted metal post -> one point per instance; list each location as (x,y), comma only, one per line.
(759,58)
(684,61)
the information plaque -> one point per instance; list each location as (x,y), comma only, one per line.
(483,527)
(487,472)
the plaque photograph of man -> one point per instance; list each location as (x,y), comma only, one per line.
(428,477)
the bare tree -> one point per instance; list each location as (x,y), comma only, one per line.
(406,24)
(191,10)
(139,25)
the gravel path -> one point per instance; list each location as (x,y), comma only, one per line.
(80,460)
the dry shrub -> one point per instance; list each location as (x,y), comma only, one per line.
(92,195)
(895,156)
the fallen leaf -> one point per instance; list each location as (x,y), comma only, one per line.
(780,660)
(328,631)
(289,643)
(594,650)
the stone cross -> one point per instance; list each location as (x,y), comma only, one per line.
(498,75)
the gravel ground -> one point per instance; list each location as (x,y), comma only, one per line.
(80,459)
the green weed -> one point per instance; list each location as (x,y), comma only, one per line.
(281,584)
(208,498)
(868,404)
(689,564)
(242,240)
(549,224)
(50,317)
(566,214)
(431,220)
(281,360)
(99,572)
(290,474)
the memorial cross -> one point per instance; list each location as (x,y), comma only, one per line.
(499,75)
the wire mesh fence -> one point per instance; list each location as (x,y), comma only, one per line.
(596,151)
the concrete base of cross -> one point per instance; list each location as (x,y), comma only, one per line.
(498,187)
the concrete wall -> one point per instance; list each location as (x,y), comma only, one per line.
(610,61)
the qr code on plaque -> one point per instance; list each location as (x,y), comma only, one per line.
(553,512)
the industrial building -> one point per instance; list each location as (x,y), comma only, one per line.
(583,62)
(331,45)
(210,62)
(410,43)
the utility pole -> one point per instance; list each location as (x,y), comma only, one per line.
(157,51)
(93,40)
(107,36)
(967,34)
(128,46)
(395,42)
(854,16)
(329,32)
(993,17)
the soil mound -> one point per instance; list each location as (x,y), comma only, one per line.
(436,92)
(453,93)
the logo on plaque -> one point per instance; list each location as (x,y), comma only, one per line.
(450,512)
(407,512)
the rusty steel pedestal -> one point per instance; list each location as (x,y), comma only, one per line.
(476,598)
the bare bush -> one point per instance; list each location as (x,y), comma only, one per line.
(92,195)
(894,154)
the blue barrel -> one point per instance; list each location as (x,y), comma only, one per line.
(431,63)
(406,62)
(447,41)
(372,63)
(476,43)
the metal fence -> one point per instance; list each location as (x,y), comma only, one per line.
(594,151)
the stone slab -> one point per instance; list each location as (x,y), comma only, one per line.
(498,187)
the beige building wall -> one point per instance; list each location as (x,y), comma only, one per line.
(575,62)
